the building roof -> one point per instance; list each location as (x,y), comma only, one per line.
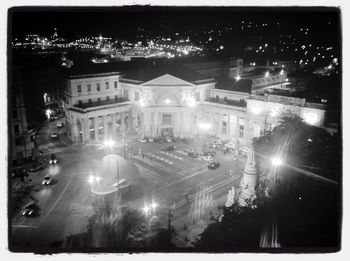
(151,72)
(225,83)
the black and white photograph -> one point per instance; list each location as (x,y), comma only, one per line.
(174,129)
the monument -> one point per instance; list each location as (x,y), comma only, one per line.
(250,180)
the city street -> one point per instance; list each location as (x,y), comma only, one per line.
(171,179)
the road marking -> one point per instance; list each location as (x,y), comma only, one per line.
(188,189)
(79,173)
(58,199)
(210,179)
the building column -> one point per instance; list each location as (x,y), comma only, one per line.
(142,115)
(105,130)
(113,125)
(122,120)
(228,126)
(96,129)
(83,129)
(130,119)
(247,135)
(237,129)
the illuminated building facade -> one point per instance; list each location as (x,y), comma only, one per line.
(164,102)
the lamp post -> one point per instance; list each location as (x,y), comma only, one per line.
(151,209)
(93,179)
(276,162)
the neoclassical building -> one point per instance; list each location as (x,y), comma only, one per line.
(172,101)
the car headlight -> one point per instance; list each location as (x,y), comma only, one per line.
(55,161)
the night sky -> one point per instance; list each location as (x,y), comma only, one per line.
(123,22)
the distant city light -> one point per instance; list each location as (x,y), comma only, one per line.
(267,74)
(238,77)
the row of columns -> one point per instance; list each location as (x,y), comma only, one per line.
(83,134)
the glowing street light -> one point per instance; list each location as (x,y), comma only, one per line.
(48,113)
(282,72)
(276,161)
(267,74)
(204,126)
(108,143)
(238,77)
(154,205)
(146,210)
(91,179)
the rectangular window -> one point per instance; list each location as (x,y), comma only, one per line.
(90,101)
(16,128)
(80,102)
(79,88)
(107,85)
(136,96)
(116,97)
(98,87)
(18,141)
(125,94)
(89,87)
(115,85)
(224,125)
(166,118)
(107,98)
(14,114)
(241,131)
(98,100)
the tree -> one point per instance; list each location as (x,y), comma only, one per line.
(305,210)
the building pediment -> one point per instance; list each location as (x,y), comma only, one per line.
(167,80)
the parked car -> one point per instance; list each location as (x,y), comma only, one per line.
(193,154)
(169,148)
(53,159)
(213,165)
(189,150)
(168,139)
(141,140)
(209,153)
(230,146)
(186,140)
(243,151)
(30,209)
(47,180)
(54,135)
(59,125)
(207,158)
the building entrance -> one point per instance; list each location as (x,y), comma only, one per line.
(167,132)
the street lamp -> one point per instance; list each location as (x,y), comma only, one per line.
(146,210)
(276,161)
(48,113)
(93,180)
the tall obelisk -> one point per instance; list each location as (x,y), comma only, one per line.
(250,180)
